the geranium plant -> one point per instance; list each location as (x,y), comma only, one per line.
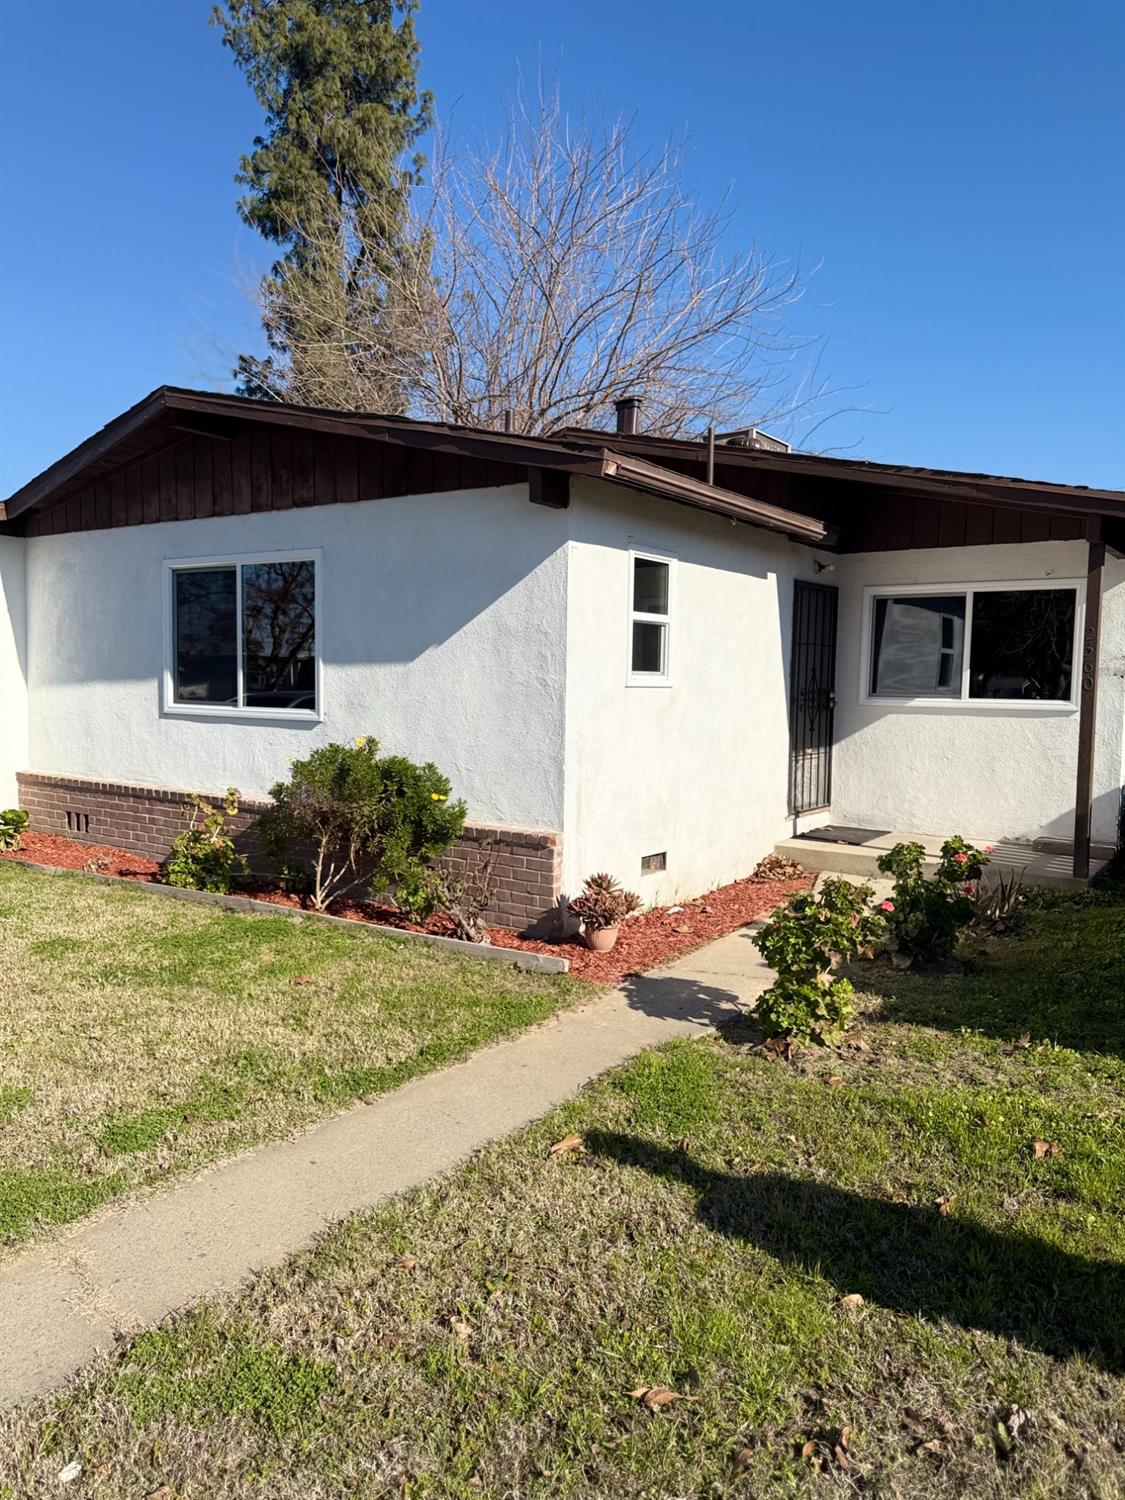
(805,943)
(928,911)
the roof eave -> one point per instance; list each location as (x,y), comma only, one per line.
(86,453)
(983,488)
(620,468)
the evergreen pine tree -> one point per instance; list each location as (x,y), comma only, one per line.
(337,80)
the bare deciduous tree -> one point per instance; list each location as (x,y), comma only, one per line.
(546,278)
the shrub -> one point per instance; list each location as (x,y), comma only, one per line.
(926,915)
(464,899)
(364,819)
(805,943)
(997,902)
(603,903)
(13,826)
(203,857)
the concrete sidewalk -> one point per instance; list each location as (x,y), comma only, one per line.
(130,1266)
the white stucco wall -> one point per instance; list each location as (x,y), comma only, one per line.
(700,768)
(443,623)
(980,770)
(491,636)
(13,666)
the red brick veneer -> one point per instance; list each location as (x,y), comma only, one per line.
(527,865)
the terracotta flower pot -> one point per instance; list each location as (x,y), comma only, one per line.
(600,939)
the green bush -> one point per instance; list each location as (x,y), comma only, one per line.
(13,826)
(362,819)
(926,915)
(805,943)
(203,857)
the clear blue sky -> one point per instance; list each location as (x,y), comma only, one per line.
(956,167)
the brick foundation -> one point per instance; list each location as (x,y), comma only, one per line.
(527,865)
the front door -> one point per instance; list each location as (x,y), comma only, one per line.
(812,696)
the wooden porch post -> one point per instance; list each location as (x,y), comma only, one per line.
(1088,703)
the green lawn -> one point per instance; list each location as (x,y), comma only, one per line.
(484,1336)
(141,1036)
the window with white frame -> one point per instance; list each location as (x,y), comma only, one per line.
(1012,642)
(650,612)
(243,635)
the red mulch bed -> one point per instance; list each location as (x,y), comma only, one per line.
(651,938)
(96,859)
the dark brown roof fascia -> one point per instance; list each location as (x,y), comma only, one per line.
(87,453)
(471,442)
(549,453)
(576,451)
(174,402)
(223,412)
(636,473)
(988,489)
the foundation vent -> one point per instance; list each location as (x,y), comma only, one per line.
(652,864)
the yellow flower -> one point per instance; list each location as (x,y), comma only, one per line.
(436,797)
(360,741)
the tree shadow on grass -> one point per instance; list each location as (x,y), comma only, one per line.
(909,1259)
(1060,977)
(1021,998)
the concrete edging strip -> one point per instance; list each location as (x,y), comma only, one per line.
(532,963)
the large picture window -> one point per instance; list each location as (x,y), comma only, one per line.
(243,636)
(1011,643)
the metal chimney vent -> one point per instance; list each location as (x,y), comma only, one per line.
(628,413)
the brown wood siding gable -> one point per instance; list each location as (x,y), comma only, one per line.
(878,522)
(261,469)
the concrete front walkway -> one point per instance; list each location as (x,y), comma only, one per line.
(130,1266)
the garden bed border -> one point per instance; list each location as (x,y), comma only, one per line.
(534,963)
(144,820)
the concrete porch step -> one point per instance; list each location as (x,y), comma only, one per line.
(857,851)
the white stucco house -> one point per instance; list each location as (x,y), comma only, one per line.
(627,653)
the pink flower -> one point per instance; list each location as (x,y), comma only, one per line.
(886,906)
(960,859)
(967,890)
(990,848)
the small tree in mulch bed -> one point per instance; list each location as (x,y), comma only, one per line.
(368,820)
(464,899)
(805,943)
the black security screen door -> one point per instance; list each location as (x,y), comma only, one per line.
(812,696)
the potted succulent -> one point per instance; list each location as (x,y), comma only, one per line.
(603,906)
